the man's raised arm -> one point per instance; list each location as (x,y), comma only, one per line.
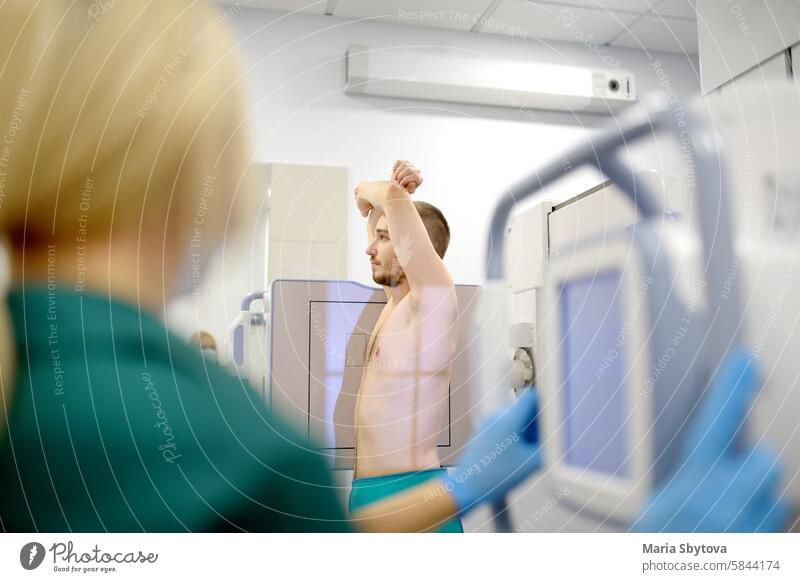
(415,251)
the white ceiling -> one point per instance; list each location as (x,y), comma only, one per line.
(662,25)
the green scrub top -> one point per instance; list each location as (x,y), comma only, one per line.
(118,425)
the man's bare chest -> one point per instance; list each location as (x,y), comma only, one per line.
(392,340)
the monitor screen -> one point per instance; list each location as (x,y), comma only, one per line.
(593,368)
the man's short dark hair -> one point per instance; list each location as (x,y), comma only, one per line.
(436,225)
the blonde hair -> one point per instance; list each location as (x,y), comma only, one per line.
(116,115)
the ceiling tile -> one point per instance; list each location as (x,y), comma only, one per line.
(312,6)
(635,6)
(556,22)
(676,8)
(453,14)
(661,34)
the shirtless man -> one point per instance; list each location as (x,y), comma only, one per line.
(404,387)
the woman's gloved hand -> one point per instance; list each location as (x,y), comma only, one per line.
(501,453)
(717,486)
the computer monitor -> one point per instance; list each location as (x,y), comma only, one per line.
(598,425)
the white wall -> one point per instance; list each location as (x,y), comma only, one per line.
(299,115)
(467,154)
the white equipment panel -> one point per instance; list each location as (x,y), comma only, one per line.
(319,337)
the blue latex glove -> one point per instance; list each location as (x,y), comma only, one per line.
(717,486)
(502,452)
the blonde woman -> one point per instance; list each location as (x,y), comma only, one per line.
(120,123)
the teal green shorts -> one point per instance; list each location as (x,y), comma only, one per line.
(371,489)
